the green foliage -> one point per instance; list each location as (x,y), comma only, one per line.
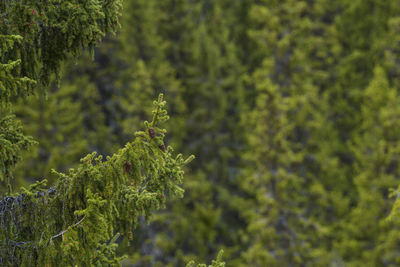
(11,85)
(12,143)
(52,30)
(215,263)
(12,140)
(279,89)
(376,150)
(279,231)
(290,106)
(66,129)
(35,37)
(79,216)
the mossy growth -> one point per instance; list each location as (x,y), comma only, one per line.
(77,221)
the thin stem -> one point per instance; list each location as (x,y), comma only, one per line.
(66,230)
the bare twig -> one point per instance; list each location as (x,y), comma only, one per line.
(66,230)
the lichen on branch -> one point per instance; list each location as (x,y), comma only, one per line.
(73,223)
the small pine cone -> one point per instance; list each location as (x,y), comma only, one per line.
(162,147)
(152,133)
(127,167)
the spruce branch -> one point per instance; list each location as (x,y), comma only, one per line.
(108,195)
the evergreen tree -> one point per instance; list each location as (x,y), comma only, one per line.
(375,148)
(73,222)
(317,72)
(29,52)
(66,129)
(78,217)
(289,105)
(194,60)
(280,230)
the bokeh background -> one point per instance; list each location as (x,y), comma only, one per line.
(291,107)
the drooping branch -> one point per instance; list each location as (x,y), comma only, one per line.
(51,31)
(90,203)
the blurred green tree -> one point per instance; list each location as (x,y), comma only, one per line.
(289,106)
(74,222)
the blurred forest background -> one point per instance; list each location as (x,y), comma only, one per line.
(292,109)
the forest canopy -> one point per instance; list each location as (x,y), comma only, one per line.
(291,108)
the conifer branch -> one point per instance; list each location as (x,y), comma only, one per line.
(109,195)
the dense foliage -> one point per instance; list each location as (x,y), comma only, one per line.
(72,223)
(36,37)
(78,220)
(291,108)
